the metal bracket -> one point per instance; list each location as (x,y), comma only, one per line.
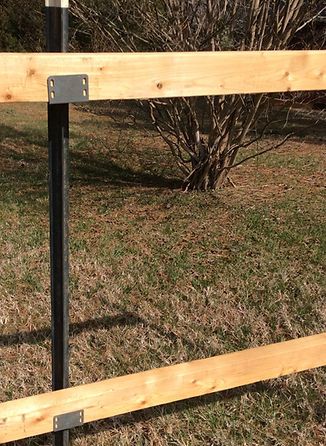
(68,89)
(68,421)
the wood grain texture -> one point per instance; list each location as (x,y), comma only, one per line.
(34,415)
(57,3)
(23,77)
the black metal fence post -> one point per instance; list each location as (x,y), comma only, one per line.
(58,131)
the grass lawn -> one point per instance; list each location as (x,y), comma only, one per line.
(159,277)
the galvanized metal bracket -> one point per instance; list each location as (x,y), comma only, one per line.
(68,421)
(68,89)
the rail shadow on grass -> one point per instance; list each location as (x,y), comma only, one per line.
(9,132)
(29,166)
(93,170)
(35,136)
(37,336)
(107,322)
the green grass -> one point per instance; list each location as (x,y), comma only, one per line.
(159,277)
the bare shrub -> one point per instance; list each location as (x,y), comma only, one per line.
(204,134)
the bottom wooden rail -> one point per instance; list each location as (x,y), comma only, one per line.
(34,415)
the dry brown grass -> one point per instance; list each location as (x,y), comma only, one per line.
(159,277)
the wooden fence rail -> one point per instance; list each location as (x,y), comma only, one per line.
(23,77)
(34,415)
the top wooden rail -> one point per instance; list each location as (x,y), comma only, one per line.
(23,76)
